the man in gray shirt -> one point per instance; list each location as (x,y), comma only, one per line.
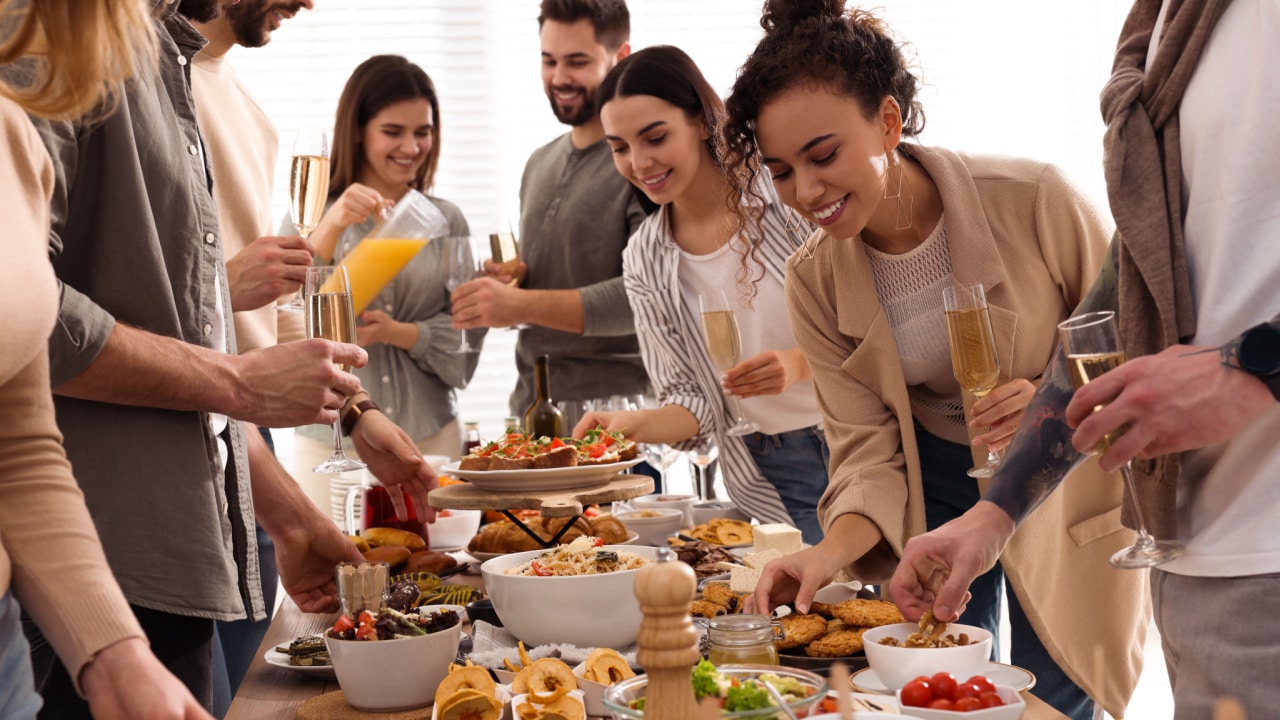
(576,214)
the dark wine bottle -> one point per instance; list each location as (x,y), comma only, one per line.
(543,418)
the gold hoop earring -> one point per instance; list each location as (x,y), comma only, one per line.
(899,190)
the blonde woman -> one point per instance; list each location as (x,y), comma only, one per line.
(51,560)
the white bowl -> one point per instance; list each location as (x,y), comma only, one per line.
(896,666)
(684,503)
(708,510)
(401,674)
(653,525)
(585,610)
(453,530)
(1012,709)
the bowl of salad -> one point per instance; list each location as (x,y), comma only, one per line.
(394,660)
(737,687)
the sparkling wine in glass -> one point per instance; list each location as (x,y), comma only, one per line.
(724,344)
(327,294)
(308,188)
(1092,347)
(505,251)
(973,350)
(461,264)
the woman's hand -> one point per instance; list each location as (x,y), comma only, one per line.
(378,327)
(627,422)
(356,204)
(768,373)
(793,578)
(1000,412)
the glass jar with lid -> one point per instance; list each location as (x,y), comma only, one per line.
(737,639)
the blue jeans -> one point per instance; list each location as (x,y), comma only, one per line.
(948,492)
(795,463)
(18,698)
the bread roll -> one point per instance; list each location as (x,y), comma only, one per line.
(392,555)
(429,561)
(379,536)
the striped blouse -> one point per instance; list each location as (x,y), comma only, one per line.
(675,355)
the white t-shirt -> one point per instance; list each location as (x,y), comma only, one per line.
(1229,495)
(764,326)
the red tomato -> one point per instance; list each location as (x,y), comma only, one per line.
(942,704)
(556,443)
(984,683)
(828,705)
(595,450)
(367,618)
(965,704)
(365,632)
(990,700)
(343,624)
(598,542)
(944,685)
(917,693)
(967,689)
(538,570)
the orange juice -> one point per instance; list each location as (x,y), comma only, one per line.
(373,263)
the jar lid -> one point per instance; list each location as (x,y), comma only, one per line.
(739,623)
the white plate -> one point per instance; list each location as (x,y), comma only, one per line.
(545,479)
(866,680)
(483,556)
(281,660)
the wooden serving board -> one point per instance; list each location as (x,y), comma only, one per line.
(552,503)
(333,706)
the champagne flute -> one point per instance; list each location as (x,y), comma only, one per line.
(973,351)
(327,292)
(704,452)
(461,265)
(308,188)
(660,456)
(1092,347)
(724,344)
(505,251)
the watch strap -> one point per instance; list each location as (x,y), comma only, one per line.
(354,413)
(1259,355)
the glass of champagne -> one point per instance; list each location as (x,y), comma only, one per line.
(724,344)
(1092,347)
(701,456)
(327,293)
(308,188)
(461,265)
(973,350)
(505,251)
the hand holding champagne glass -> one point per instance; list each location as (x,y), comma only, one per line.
(1092,347)
(505,252)
(973,350)
(327,293)
(308,187)
(724,344)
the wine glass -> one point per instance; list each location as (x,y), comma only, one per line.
(505,251)
(660,456)
(308,188)
(461,264)
(327,293)
(1092,348)
(973,350)
(725,346)
(703,453)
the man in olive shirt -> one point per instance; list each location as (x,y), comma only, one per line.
(576,215)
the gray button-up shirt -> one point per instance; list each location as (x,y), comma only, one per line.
(131,211)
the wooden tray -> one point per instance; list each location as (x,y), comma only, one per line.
(551,503)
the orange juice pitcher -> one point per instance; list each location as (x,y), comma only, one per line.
(402,233)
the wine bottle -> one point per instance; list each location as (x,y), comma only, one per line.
(543,418)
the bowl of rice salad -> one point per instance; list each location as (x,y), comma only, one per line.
(581,593)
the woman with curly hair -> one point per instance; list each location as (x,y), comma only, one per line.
(828,104)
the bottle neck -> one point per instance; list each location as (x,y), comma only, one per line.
(542,379)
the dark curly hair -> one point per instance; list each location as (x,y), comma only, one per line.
(610,18)
(817,42)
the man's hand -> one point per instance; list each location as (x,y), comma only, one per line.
(306,554)
(509,273)
(395,460)
(486,302)
(937,568)
(1182,398)
(268,268)
(768,373)
(1000,412)
(298,383)
(125,680)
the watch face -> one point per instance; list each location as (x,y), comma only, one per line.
(1260,350)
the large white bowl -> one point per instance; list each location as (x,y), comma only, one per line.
(400,674)
(453,531)
(896,666)
(653,525)
(585,610)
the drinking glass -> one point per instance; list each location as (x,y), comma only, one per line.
(704,452)
(724,344)
(308,188)
(505,251)
(327,293)
(1092,347)
(462,267)
(660,456)
(973,350)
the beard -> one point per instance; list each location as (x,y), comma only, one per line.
(248,20)
(574,118)
(201,11)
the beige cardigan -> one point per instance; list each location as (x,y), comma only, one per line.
(1036,244)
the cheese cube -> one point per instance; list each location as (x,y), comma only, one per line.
(760,559)
(744,579)
(777,536)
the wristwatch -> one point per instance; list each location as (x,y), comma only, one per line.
(1259,355)
(353,414)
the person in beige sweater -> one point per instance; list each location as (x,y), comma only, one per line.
(825,101)
(51,560)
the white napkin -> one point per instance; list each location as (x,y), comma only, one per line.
(490,644)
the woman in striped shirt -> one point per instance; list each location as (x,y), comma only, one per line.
(662,120)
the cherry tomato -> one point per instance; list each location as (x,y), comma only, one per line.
(942,704)
(365,631)
(990,700)
(538,570)
(967,689)
(944,685)
(367,618)
(917,693)
(984,683)
(828,705)
(965,704)
(343,624)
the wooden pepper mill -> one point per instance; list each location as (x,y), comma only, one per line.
(667,643)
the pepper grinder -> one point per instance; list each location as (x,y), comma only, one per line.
(667,643)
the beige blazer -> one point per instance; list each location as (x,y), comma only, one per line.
(1036,244)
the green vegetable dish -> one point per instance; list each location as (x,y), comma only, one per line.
(739,694)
